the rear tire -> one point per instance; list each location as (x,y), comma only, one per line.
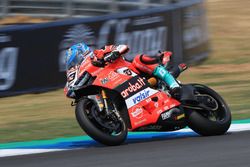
(85,109)
(203,124)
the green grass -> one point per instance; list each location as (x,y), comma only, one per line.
(227,70)
(43,129)
(37,116)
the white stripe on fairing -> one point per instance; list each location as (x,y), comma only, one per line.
(130,102)
(14,152)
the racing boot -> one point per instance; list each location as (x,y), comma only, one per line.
(177,70)
(162,73)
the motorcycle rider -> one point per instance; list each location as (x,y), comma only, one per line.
(77,53)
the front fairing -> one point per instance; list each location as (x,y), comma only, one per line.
(110,77)
(87,66)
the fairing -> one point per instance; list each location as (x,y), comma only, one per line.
(144,104)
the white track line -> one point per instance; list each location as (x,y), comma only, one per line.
(233,128)
(15,152)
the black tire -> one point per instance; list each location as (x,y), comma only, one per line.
(201,123)
(95,130)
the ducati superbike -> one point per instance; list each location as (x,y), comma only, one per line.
(114,99)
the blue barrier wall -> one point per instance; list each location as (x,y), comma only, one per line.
(32,56)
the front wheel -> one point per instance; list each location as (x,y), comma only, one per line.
(214,118)
(106,129)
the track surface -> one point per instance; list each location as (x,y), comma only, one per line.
(228,150)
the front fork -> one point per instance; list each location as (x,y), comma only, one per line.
(106,104)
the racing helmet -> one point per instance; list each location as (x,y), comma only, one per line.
(76,54)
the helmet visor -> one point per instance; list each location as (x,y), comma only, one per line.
(76,60)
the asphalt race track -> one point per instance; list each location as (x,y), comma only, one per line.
(232,149)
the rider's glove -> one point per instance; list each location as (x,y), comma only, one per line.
(111,56)
(98,63)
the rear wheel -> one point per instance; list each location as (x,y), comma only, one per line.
(107,129)
(212,116)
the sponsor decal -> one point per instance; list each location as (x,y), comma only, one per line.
(126,71)
(104,81)
(139,97)
(148,100)
(133,87)
(111,77)
(5,38)
(166,108)
(180,116)
(162,72)
(71,76)
(150,127)
(8,65)
(166,115)
(156,104)
(143,95)
(137,112)
(172,105)
(159,111)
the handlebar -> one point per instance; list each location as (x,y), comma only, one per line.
(108,57)
(111,56)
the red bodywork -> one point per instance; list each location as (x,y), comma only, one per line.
(145,105)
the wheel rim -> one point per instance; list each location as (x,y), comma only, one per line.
(216,105)
(110,125)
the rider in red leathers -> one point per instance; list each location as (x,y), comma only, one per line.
(142,63)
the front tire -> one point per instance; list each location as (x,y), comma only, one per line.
(214,122)
(96,125)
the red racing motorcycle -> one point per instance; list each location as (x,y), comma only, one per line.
(114,99)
